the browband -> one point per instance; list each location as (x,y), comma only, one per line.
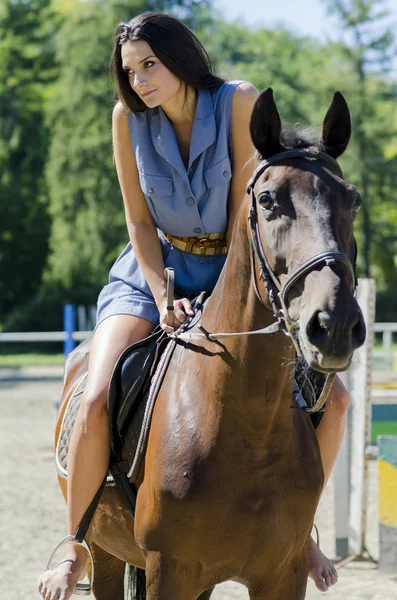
(295,153)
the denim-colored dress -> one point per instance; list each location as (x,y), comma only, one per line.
(183,202)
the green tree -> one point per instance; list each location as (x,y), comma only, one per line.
(26,68)
(304,74)
(368,45)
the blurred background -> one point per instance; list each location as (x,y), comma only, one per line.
(62,226)
(61,213)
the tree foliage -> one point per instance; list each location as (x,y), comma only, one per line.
(60,203)
(26,69)
(369,47)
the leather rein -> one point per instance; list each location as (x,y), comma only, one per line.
(283,321)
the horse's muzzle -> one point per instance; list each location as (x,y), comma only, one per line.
(328,339)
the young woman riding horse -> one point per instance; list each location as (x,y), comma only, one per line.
(183,155)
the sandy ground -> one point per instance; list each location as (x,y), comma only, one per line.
(33,516)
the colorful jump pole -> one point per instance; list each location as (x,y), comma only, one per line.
(387,469)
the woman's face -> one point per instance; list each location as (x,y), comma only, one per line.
(148,77)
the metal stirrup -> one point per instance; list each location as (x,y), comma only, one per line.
(81,589)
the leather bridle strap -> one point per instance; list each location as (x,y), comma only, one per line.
(295,153)
(329,257)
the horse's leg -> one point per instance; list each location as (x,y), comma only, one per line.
(206,595)
(167,578)
(109,575)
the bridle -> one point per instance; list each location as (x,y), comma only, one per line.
(266,273)
(283,321)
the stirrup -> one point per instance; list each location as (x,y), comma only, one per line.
(81,589)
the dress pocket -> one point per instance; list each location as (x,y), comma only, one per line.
(155,186)
(218,174)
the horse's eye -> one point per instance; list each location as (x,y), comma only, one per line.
(266,201)
(357,204)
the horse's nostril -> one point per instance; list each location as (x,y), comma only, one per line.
(326,328)
(320,328)
(326,321)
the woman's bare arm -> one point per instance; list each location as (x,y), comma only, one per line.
(243,150)
(141,228)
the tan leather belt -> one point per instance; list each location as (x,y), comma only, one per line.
(213,244)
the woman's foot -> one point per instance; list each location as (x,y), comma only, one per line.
(321,569)
(59,583)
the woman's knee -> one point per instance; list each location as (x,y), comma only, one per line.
(339,399)
(94,405)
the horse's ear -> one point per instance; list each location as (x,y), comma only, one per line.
(265,125)
(337,126)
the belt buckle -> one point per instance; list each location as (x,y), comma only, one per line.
(202,247)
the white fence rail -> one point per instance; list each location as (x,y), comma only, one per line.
(387,330)
(43,336)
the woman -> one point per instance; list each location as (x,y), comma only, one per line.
(183,156)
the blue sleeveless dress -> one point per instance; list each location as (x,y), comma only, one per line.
(183,202)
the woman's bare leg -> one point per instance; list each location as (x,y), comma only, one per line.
(89,451)
(329,434)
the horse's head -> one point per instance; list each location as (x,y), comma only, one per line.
(304,224)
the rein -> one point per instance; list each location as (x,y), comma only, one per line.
(283,321)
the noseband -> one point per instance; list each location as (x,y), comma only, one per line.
(266,273)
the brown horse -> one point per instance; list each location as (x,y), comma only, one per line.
(233,474)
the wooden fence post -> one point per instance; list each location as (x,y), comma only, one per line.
(350,473)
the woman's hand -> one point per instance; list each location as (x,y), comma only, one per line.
(182,309)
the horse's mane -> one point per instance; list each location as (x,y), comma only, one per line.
(300,137)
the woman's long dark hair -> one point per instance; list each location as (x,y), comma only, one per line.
(174,44)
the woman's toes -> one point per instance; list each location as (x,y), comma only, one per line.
(319,581)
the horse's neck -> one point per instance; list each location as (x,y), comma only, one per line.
(262,364)
(234,305)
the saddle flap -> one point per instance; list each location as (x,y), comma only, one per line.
(135,379)
(130,378)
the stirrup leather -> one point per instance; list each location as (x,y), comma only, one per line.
(81,589)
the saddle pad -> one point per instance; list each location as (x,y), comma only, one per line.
(68,421)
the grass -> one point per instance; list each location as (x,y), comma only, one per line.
(30,360)
(378,347)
